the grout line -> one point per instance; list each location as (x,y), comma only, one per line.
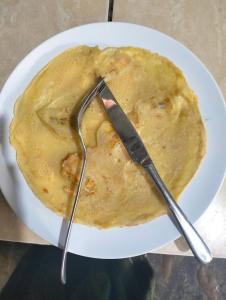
(110,10)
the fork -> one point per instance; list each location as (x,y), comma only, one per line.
(83,107)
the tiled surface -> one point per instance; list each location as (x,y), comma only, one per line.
(212,227)
(12,229)
(23,26)
(200,26)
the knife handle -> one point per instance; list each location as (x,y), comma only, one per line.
(194,240)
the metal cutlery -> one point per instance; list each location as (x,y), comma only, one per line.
(138,153)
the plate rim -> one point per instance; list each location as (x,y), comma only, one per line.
(121,24)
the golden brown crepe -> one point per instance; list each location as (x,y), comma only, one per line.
(116,192)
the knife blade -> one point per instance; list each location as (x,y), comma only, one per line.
(124,128)
(139,154)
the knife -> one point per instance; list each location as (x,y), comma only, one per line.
(139,154)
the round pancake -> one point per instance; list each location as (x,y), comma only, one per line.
(116,192)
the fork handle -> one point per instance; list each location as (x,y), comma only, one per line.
(194,240)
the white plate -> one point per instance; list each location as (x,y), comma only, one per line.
(128,241)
